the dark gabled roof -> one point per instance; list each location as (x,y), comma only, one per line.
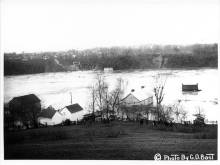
(74,108)
(47,113)
(26,99)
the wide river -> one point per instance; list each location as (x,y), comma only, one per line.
(54,88)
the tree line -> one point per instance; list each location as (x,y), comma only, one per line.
(119,58)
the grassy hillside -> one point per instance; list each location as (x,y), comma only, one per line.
(112,141)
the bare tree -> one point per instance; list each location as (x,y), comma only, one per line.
(116,95)
(92,103)
(179,112)
(166,113)
(101,90)
(183,115)
(200,116)
(159,93)
(176,110)
(104,100)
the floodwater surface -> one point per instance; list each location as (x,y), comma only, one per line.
(55,88)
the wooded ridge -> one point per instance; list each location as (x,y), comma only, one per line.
(118,58)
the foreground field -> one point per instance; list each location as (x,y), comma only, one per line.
(112,141)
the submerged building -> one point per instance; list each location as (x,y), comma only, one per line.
(190,88)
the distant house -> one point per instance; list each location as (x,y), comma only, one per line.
(72,112)
(190,88)
(25,109)
(74,67)
(50,116)
(108,69)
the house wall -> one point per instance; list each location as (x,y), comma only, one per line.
(151,116)
(46,121)
(56,119)
(130,100)
(148,101)
(66,113)
(72,116)
(134,111)
(77,116)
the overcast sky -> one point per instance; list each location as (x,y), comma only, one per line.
(52,25)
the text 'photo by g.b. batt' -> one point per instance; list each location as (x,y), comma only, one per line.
(110,80)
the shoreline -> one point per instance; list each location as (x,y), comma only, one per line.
(116,71)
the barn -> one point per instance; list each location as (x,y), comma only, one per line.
(24,109)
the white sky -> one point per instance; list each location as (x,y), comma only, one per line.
(51,25)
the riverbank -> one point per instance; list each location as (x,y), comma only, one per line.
(117,71)
(118,140)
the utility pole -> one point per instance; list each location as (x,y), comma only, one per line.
(71,97)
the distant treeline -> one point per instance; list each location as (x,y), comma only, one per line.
(119,58)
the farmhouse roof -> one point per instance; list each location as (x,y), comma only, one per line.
(47,113)
(26,99)
(128,96)
(74,108)
(140,95)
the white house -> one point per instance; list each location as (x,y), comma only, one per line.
(72,112)
(50,116)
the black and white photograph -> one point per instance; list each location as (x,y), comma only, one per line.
(110,80)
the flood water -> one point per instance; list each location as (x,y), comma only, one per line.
(54,88)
